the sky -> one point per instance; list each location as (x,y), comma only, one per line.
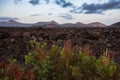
(61,11)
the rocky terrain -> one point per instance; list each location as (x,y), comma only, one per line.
(14,42)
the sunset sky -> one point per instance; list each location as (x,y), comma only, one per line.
(61,11)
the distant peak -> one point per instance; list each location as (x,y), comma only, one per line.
(116,24)
(97,24)
(79,23)
(53,22)
(12,21)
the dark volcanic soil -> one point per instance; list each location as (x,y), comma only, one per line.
(14,42)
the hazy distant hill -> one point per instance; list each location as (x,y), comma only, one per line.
(78,24)
(115,24)
(96,24)
(53,24)
(67,25)
(13,23)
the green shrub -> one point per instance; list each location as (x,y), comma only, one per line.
(62,63)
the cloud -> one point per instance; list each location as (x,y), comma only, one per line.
(63,3)
(49,13)
(47,1)
(35,15)
(66,16)
(7,18)
(17,1)
(97,8)
(34,2)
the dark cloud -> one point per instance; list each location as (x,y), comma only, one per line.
(97,8)
(7,18)
(34,2)
(35,15)
(64,3)
(66,16)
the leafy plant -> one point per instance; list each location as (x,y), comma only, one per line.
(60,63)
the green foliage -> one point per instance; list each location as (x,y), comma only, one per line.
(2,74)
(43,64)
(13,61)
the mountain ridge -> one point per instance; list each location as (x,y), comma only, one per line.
(52,24)
(96,24)
(115,24)
(13,23)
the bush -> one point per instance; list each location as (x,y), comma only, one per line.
(60,63)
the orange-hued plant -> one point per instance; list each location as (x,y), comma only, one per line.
(67,51)
(11,71)
(60,63)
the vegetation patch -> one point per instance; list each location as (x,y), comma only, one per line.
(60,63)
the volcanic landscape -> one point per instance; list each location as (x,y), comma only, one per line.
(14,41)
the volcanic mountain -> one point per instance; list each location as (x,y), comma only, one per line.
(51,24)
(78,24)
(115,24)
(13,23)
(96,24)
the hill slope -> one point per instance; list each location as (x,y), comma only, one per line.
(116,24)
(96,24)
